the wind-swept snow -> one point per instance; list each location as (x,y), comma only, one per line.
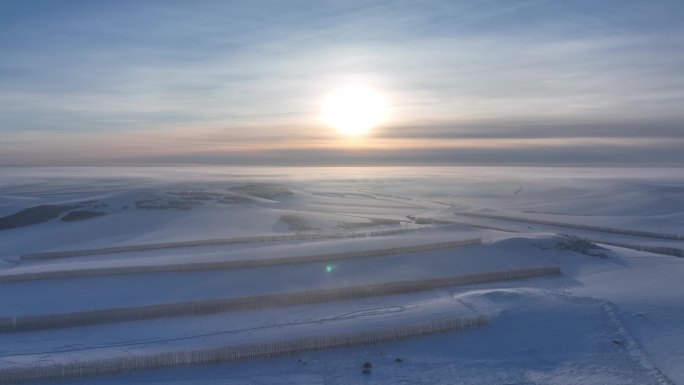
(613,316)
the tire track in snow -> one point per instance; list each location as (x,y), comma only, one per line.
(633,347)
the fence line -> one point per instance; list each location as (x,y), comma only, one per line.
(133,363)
(426,220)
(6,323)
(640,233)
(213,242)
(663,250)
(210,306)
(225,265)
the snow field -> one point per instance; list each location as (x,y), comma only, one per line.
(365,266)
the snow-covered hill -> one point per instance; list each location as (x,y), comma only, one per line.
(388,238)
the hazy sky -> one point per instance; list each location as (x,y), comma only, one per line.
(242,82)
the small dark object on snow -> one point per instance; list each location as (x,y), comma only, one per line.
(367,365)
(398,359)
(617,342)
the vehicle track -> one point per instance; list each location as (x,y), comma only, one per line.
(633,347)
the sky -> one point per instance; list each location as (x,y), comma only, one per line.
(243,82)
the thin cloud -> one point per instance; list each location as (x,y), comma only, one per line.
(252,74)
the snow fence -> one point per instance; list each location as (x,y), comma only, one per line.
(215,242)
(133,363)
(210,306)
(640,233)
(663,250)
(239,264)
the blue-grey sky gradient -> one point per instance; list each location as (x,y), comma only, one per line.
(120,82)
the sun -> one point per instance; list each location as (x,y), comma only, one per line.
(354,109)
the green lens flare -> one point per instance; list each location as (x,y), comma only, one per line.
(328,268)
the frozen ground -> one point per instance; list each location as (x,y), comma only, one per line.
(614,315)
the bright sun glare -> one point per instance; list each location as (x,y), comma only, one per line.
(354,109)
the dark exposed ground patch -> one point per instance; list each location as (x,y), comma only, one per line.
(159,203)
(208,196)
(582,246)
(262,190)
(197,195)
(78,215)
(372,222)
(33,215)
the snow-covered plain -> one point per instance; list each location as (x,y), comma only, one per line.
(614,316)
